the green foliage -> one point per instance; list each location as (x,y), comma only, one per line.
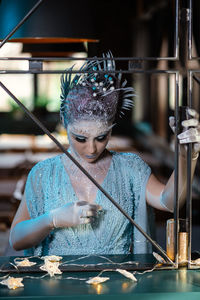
(41,101)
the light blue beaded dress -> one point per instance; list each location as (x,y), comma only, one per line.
(48,186)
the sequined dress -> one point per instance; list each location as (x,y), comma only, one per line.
(48,186)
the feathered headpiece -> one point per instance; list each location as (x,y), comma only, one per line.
(96,93)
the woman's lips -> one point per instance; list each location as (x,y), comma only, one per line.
(91,156)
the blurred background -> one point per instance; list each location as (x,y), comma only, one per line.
(157,47)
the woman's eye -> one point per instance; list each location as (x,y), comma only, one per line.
(80,140)
(101,138)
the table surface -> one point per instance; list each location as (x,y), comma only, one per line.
(158,284)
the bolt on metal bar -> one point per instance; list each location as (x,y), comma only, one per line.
(21,22)
(37,121)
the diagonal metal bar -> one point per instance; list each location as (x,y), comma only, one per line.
(37,121)
(197,79)
(20,23)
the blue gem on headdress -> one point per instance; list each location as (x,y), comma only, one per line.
(110,78)
(94,88)
(106,75)
(94,68)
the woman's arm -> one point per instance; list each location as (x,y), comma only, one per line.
(161,196)
(26,232)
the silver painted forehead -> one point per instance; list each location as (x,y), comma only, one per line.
(90,128)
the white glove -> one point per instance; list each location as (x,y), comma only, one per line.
(191,131)
(74,214)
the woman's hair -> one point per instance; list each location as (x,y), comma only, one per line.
(96,93)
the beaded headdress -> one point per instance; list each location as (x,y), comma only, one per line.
(97,93)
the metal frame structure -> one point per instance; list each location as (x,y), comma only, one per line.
(134,65)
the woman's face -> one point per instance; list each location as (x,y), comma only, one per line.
(88,139)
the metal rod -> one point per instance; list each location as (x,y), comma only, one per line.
(132,58)
(189,202)
(177,30)
(37,121)
(21,22)
(82,72)
(176,174)
(196,79)
(189,180)
(190,31)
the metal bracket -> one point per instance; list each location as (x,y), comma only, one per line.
(35,65)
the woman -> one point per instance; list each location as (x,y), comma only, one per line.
(62,211)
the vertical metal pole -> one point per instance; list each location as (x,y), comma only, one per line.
(190,31)
(177,31)
(35,89)
(176,173)
(189,180)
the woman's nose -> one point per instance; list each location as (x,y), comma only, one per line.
(92,147)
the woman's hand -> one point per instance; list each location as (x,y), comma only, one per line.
(74,214)
(191,131)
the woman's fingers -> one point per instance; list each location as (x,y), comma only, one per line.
(172,123)
(88,210)
(190,122)
(190,131)
(191,135)
(84,220)
(192,113)
(196,147)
